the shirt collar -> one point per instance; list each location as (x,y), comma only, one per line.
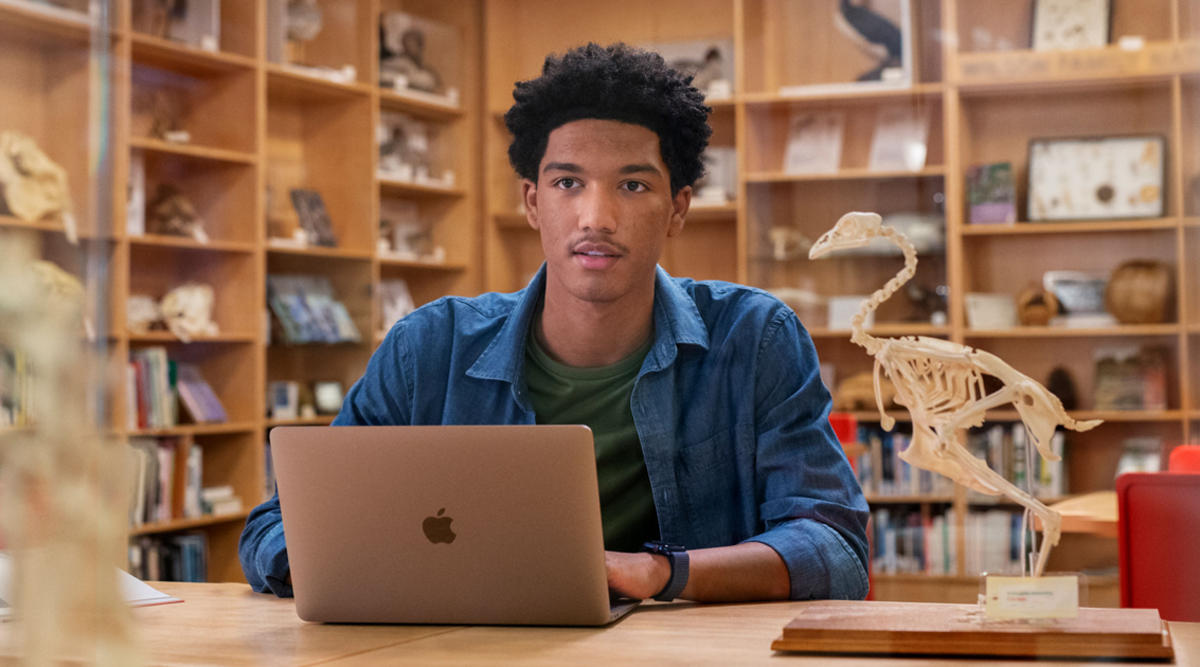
(677,322)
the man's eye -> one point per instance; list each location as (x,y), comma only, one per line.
(634,186)
(566,183)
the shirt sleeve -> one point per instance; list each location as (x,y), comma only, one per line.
(810,502)
(379,397)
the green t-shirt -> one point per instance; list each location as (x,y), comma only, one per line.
(600,398)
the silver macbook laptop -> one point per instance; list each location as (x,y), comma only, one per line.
(443,524)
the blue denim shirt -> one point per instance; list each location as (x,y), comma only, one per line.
(729,408)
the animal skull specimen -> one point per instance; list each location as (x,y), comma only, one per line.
(941,385)
(32,186)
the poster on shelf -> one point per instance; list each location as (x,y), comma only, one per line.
(814,144)
(900,139)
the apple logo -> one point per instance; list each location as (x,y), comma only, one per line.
(437,528)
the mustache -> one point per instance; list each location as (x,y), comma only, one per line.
(597,240)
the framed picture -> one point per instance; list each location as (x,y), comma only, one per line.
(196,23)
(870,42)
(900,142)
(1063,25)
(709,63)
(1102,178)
(814,144)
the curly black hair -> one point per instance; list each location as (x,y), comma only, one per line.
(615,82)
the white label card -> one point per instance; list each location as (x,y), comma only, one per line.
(1032,597)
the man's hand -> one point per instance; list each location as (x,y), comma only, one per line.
(636,575)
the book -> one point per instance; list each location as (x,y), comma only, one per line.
(314,218)
(991,193)
(197,397)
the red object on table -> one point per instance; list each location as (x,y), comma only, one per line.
(1158,534)
(1184,458)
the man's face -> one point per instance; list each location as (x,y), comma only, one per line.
(603,206)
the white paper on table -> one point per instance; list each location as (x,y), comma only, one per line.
(133,590)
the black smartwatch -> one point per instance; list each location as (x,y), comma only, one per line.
(677,556)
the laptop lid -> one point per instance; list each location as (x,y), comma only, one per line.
(442,524)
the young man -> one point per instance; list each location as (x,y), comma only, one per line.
(709,416)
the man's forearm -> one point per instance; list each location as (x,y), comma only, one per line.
(747,571)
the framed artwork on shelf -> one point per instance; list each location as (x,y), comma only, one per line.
(709,63)
(1064,25)
(900,142)
(1097,178)
(420,56)
(882,30)
(814,144)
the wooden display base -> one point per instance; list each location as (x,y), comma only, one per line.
(960,629)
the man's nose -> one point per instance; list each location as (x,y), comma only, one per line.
(598,211)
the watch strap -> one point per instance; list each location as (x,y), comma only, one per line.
(677,556)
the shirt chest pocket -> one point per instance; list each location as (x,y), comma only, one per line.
(715,477)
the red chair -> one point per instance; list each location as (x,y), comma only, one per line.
(1158,532)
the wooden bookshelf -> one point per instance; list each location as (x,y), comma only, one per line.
(984,104)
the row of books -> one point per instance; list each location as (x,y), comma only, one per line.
(881,471)
(169,558)
(912,542)
(156,387)
(1009,451)
(307,310)
(16,388)
(168,483)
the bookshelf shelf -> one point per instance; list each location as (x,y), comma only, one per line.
(168,337)
(320,420)
(511,221)
(1025,71)
(1019,228)
(177,57)
(429,107)
(424,265)
(1124,330)
(394,187)
(192,150)
(33,21)
(886,329)
(184,243)
(844,175)
(709,213)
(348,254)
(176,525)
(1191,222)
(286,83)
(1129,416)
(196,430)
(752,100)
(909,500)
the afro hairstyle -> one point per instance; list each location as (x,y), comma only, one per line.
(616,82)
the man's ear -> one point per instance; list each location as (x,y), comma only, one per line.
(529,197)
(680,203)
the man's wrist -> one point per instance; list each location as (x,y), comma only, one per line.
(677,562)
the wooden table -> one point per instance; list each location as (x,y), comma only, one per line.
(227,624)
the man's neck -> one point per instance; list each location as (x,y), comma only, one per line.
(587,334)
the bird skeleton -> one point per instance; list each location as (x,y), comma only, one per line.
(941,385)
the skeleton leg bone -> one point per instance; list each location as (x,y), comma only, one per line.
(1051,520)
